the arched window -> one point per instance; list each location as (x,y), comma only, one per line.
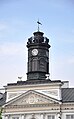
(42,64)
(34,64)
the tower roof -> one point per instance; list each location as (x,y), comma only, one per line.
(38,33)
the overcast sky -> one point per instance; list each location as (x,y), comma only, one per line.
(18,21)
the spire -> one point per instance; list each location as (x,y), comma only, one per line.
(39,23)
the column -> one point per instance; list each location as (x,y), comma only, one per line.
(23,116)
(6,117)
(43,116)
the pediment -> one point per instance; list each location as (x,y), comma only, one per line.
(32,97)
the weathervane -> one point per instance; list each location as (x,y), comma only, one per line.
(38,24)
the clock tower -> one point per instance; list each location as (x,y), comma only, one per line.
(38,56)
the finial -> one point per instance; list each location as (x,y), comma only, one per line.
(38,24)
(20,78)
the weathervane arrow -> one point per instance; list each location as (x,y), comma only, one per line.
(39,22)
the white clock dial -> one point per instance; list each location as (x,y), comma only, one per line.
(34,52)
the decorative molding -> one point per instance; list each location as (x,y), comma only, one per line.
(54,92)
(33,99)
(11,95)
(55,106)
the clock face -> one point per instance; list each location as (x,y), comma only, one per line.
(34,52)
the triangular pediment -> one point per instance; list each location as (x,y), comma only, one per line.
(32,97)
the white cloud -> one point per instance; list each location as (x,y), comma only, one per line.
(11,48)
(13,62)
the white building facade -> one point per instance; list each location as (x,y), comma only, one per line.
(38,101)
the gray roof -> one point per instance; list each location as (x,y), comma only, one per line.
(2,98)
(29,82)
(67,95)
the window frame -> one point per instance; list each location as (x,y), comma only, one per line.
(52,116)
(70,116)
(15,117)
